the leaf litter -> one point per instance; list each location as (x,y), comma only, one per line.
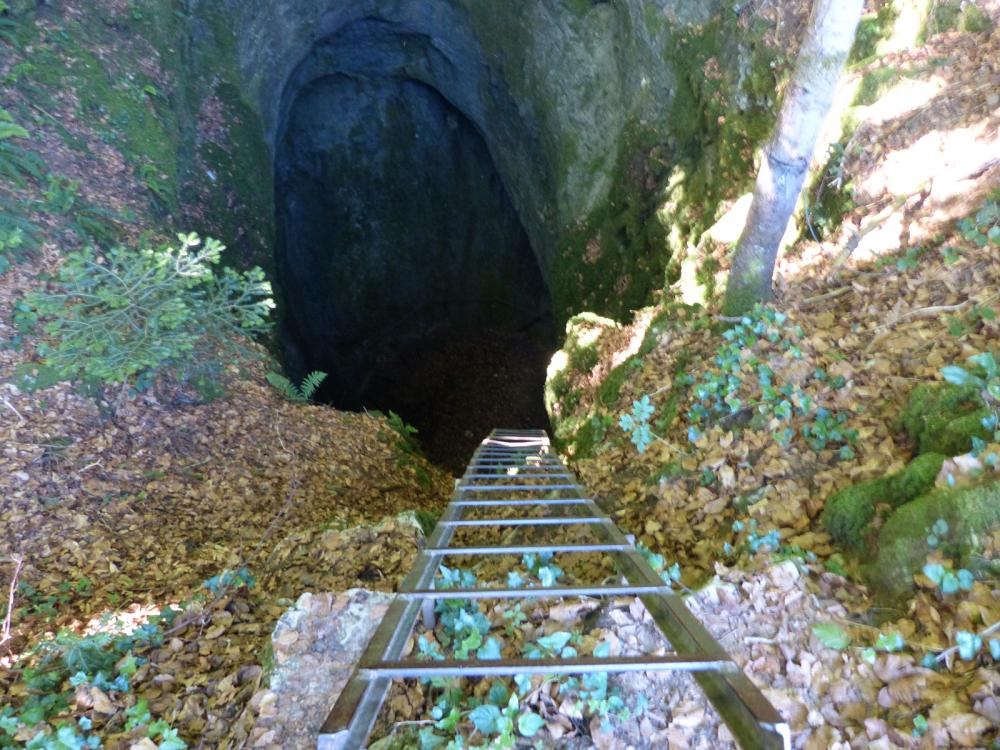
(136,512)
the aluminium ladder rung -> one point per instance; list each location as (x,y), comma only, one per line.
(515,488)
(752,720)
(510,667)
(521,549)
(505,475)
(537,592)
(511,503)
(545,521)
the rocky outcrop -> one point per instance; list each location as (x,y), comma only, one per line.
(506,159)
(316,645)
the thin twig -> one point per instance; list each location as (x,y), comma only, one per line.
(826,295)
(927,312)
(759,639)
(930,312)
(18,561)
(10,406)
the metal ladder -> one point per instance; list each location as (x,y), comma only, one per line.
(518,466)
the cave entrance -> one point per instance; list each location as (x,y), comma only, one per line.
(406,273)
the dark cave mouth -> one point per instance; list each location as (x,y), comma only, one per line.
(404,269)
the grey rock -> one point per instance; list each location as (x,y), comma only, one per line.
(316,645)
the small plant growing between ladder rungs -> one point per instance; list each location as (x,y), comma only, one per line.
(298,393)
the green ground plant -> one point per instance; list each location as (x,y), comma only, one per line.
(983,228)
(11,241)
(301,393)
(950,584)
(742,382)
(17,165)
(55,668)
(125,317)
(8,26)
(984,377)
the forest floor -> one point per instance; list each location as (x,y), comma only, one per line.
(885,301)
(114,511)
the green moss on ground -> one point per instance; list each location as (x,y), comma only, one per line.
(849,513)
(972,514)
(610,389)
(944,418)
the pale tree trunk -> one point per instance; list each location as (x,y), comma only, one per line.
(827,43)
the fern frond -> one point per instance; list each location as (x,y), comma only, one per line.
(311,383)
(285,387)
(17,164)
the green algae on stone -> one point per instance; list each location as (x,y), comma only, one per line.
(972,514)
(944,418)
(849,513)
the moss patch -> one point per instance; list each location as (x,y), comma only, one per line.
(971,512)
(849,513)
(943,418)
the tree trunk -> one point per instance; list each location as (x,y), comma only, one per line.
(810,93)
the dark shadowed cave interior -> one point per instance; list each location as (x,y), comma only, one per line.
(405,271)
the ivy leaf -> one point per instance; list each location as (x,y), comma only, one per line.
(485,718)
(890,642)
(9,724)
(523,683)
(490,650)
(831,635)
(470,643)
(554,642)
(965,580)
(528,724)
(602,650)
(995,648)
(171,741)
(499,694)
(429,740)
(968,644)
(949,583)
(548,575)
(934,571)
(956,375)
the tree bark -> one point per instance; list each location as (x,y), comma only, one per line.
(827,43)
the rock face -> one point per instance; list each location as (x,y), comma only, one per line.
(316,646)
(428,164)
(393,223)
(417,188)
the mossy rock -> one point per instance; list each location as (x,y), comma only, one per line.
(849,513)
(972,513)
(944,418)
(592,437)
